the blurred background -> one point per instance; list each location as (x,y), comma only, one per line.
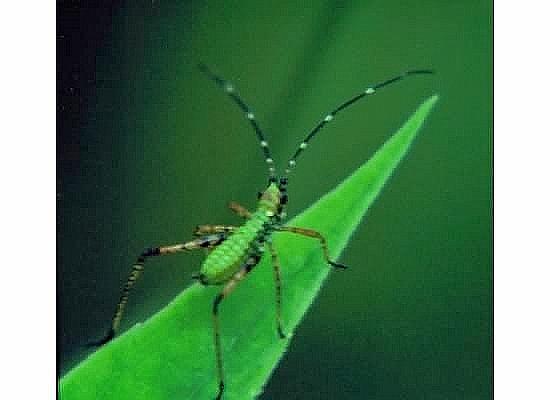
(148,148)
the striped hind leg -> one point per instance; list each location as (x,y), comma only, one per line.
(277,278)
(226,291)
(138,268)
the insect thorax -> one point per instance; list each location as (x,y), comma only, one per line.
(270,200)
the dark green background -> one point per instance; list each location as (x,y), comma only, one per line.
(148,148)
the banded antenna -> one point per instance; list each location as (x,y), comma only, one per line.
(232,93)
(330,116)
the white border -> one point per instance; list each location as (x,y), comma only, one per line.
(27,165)
(522,224)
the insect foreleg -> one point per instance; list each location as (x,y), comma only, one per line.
(137,271)
(227,289)
(316,235)
(240,210)
(209,229)
(277,276)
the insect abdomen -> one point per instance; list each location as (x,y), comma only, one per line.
(226,259)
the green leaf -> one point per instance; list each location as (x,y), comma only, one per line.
(171,355)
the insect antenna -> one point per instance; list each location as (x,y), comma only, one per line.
(229,89)
(330,116)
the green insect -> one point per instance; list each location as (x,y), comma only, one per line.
(235,251)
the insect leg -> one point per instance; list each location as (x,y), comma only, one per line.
(209,229)
(240,210)
(316,235)
(137,271)
(227,289)
(277,276)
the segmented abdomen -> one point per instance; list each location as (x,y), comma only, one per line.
(226,259)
